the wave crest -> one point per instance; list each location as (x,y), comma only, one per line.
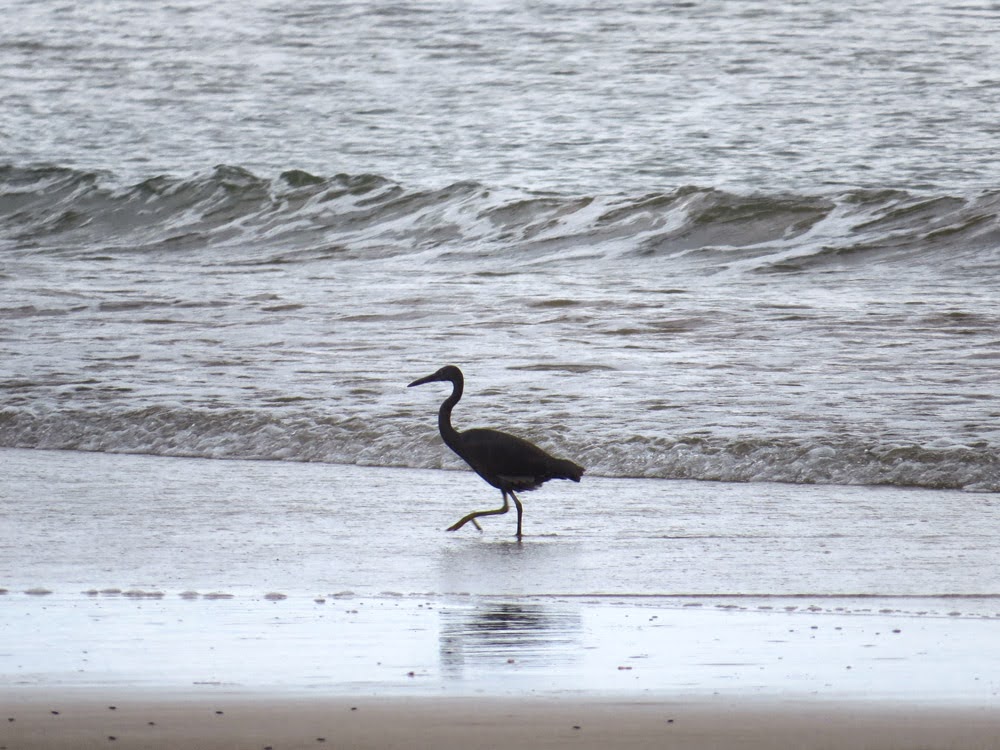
(297,217)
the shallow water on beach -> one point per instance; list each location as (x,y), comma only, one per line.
(495,646)
(73,521)
(213,575)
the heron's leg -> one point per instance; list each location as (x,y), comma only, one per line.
(520,512)
(477,513)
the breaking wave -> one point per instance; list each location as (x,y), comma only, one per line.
(298,216)
(259,435)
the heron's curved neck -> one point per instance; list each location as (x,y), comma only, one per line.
(449,433)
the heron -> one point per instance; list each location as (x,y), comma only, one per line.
(505,461)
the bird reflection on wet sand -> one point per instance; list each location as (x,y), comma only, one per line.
(524,635)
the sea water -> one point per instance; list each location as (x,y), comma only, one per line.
(729,241)
(91,524)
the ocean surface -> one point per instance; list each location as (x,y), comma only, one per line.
(738,241)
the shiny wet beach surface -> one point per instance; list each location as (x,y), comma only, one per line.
(499,646)
(207,575)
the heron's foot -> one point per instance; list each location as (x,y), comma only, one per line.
(469,518)
(476,514)
(460,524)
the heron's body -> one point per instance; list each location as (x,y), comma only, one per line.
(505,461)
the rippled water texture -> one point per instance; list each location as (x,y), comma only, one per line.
(590,97)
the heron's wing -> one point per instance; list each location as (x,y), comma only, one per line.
(507,459)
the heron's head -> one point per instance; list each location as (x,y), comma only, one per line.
(447,374)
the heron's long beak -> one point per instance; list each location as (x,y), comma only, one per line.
(429,379)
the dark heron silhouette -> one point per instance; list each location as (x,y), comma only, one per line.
(505,461)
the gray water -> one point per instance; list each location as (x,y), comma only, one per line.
(732,241)
(567,96)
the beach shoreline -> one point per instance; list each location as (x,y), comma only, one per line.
(752,616)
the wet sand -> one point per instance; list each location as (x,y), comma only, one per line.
(460,646)
(116,670)
(77,521)
(255,604)
(121,718)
